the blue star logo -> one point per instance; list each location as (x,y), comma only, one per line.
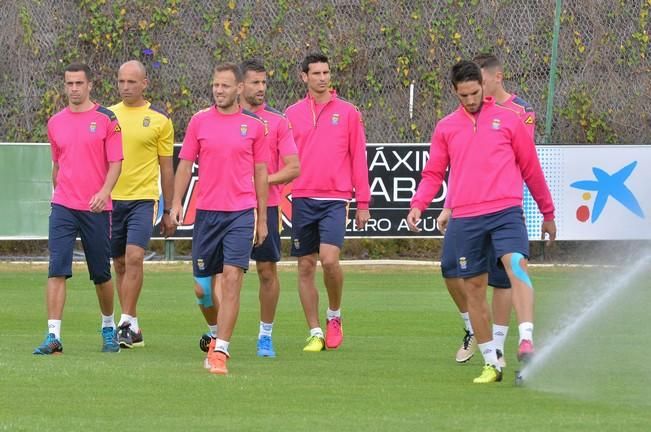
(608,186)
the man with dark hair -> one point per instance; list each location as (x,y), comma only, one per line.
(329,134)
(230,147)
(489,153)
(86,145)
(148,141)
(311,59)
(492,82)
(283,167)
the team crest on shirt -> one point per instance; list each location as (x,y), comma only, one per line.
(463,264)
(335,119)
(146,121)
(496,124)
(93,127)
(243,129)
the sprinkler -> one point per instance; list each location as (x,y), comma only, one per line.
(519,379)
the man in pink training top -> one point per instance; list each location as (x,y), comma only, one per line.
(86,144)
(329,134)
(489,153)
(283,168)
(230,146)
(492,83)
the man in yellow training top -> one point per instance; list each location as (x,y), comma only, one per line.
(148,141)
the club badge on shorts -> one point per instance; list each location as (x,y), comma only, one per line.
(463,263)
(93,127)
(243,129)
(200,264)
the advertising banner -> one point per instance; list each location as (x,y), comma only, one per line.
(601,192)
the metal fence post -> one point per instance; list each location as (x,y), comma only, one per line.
(549,114)
(169,250)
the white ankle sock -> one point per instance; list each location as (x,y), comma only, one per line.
(488,352)
(330,314)
(108,321)
(134,324)
(212,329)
(222,345)
(265,329)
(54,326)
(526,331)
(316,331)
(124,318)
(499,336)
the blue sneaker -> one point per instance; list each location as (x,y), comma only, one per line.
(266,347)
(110,340)
(51,345)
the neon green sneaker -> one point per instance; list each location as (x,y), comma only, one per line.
(315,344)
(488,375)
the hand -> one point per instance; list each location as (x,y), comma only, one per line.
(98,202)
(261,232)
(413,218)
(443,219)
(549,228)
(167,226)
(176,214)
(361,217)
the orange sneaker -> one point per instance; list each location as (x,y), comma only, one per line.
(211,349)
(334,333)
(217,361)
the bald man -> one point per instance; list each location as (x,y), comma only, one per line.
(148,141)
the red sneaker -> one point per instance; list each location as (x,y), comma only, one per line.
(334,333)
(525,351)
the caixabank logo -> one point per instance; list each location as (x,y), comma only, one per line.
(607,189)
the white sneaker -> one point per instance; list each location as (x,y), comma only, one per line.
(467,349)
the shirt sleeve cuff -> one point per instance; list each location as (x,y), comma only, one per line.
(362,205)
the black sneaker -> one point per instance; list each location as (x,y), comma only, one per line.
(204,342)
(136,338)
(125,335)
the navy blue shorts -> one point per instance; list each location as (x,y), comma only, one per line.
(221,238)
(504,232)
(94,229)
(269,250)
(132,224)
(315,222)
(497,276)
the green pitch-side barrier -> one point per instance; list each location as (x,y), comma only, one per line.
(25,191)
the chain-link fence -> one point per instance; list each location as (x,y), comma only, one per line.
(378,49)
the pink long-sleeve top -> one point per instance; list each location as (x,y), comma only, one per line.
(490,153)
(332,150)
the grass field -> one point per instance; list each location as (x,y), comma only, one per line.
(395,371)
